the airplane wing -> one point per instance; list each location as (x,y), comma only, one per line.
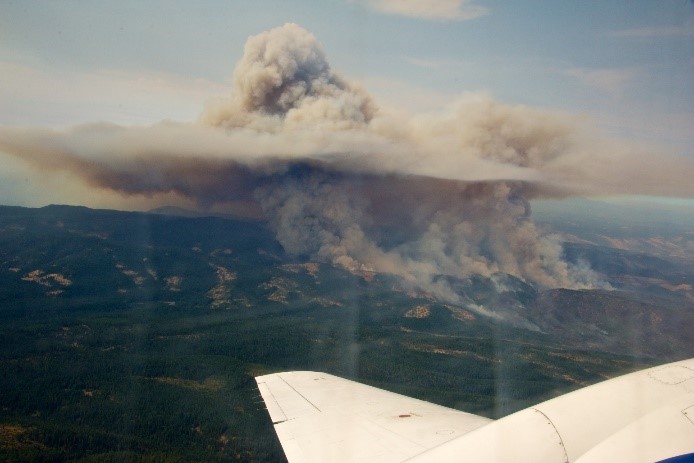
(322,418)
(642,417)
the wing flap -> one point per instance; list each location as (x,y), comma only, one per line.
(282,400)
(273,408)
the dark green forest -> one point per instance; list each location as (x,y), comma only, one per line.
(129,337)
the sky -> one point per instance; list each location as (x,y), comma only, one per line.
(160,58)
(623,66)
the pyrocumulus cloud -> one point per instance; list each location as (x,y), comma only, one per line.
(427,197)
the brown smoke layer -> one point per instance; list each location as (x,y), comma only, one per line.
(423,197)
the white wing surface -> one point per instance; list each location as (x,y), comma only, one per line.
(322,418)
(643,417)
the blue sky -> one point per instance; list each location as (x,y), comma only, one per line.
(610,59)
(626,65)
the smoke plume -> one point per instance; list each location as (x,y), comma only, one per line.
(427,197)
(285,76)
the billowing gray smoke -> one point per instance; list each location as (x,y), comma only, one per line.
(430,198)
(284,74)
(416,228)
